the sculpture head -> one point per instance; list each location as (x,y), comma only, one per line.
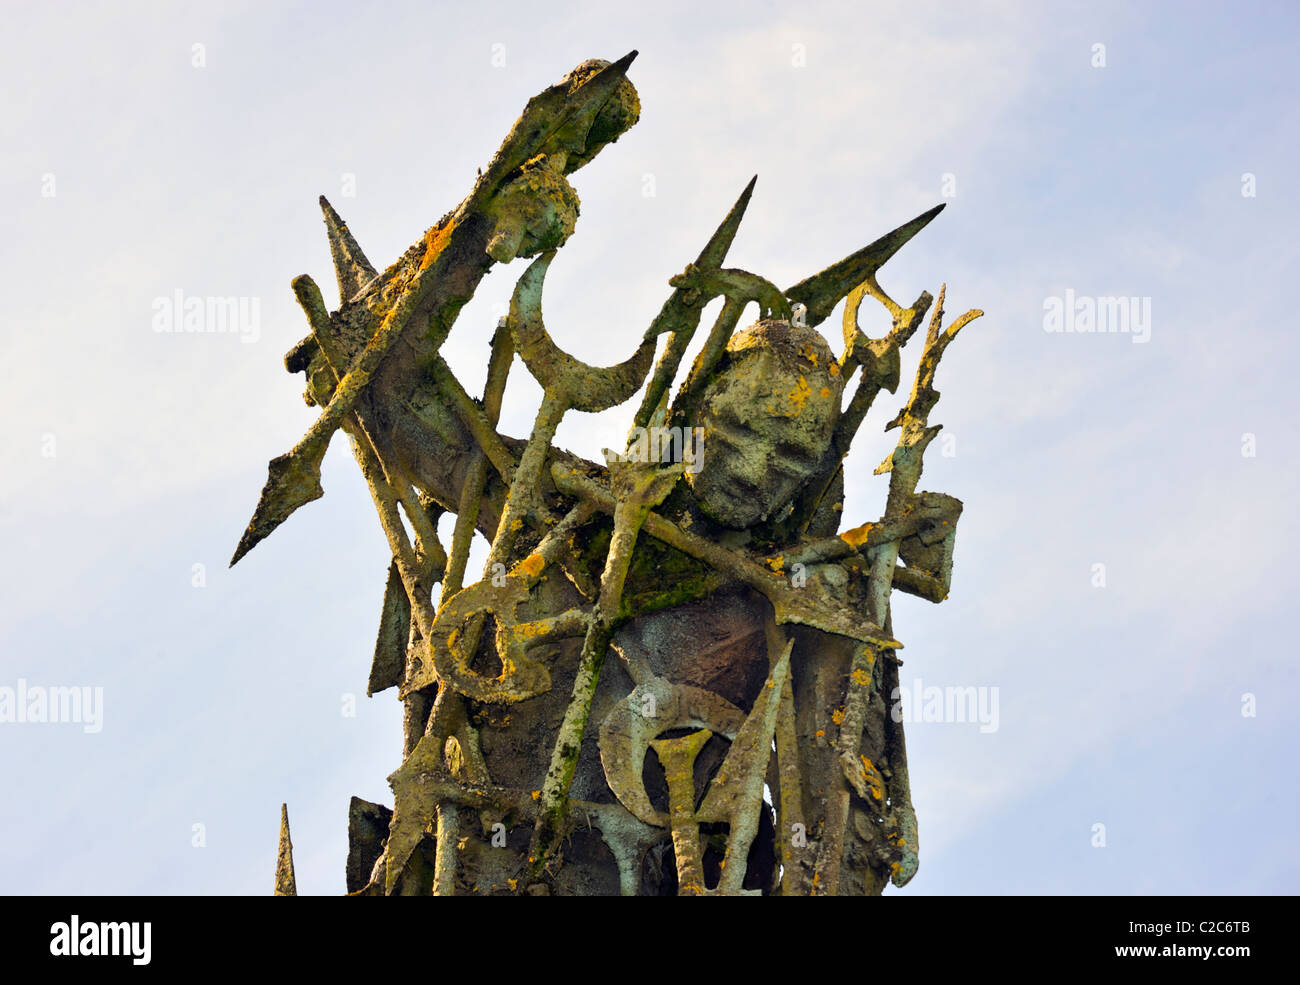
(768,415)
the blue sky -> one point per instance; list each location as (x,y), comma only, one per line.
(131,456)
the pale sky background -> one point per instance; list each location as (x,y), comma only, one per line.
(1119,705)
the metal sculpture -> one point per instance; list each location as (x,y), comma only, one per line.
(741,741)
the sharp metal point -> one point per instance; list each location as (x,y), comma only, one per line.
(351,267)
(821,292)
(285,884)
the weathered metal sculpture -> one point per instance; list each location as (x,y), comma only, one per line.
(657,642)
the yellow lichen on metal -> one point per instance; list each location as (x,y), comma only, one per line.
(857,536)
(436,240)
(875,782)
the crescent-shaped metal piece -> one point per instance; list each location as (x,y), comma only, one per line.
(571,381)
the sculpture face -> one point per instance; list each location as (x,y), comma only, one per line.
(768,417)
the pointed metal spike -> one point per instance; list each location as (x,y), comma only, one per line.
(589,97)
(682,319)
(672,316)
(351,267)
(546,113)
(735,794)
(821,292)
(739,780)
(389,661)
(715,251)
(285,885)
(293,480)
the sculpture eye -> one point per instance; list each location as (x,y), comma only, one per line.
(796,455)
